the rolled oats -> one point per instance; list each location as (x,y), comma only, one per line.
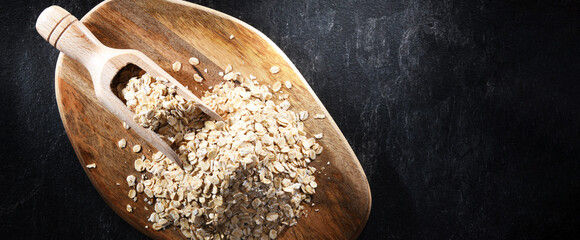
(303,115)
(319,116)
(122,143)
(245,177)
(176,66)
(131,180)
(229,76)
(193,61)
(276,87)
(197,78)
(132,193)
(274,69)
(137,148)
(273,234)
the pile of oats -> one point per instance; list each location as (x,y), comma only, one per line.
(244,178)
(158,108)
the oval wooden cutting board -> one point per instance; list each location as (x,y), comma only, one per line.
(169,31)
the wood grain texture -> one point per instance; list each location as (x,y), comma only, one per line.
(169,31)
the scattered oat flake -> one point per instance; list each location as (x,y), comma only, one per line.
(328,163)
(221,74)
(129,208)
(126,126)
(176,66)
(137,148)
(318,136)
(288,84)
(252,77)
(276,87)
(319,116)
(92,165)
(228,69)
(197,78)
(139,165)
(274,69)
(122,143)
(303,115)
(193,61)
(132,193)
(232,36)
(131,180)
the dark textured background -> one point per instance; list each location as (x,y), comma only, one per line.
(464,115)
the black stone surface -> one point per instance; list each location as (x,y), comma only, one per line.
(464,115)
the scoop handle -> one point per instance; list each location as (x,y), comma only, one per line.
(64,31)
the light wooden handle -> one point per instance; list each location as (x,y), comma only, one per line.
(64,31)
(67,34)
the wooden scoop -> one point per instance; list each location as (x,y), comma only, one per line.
(67,34)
